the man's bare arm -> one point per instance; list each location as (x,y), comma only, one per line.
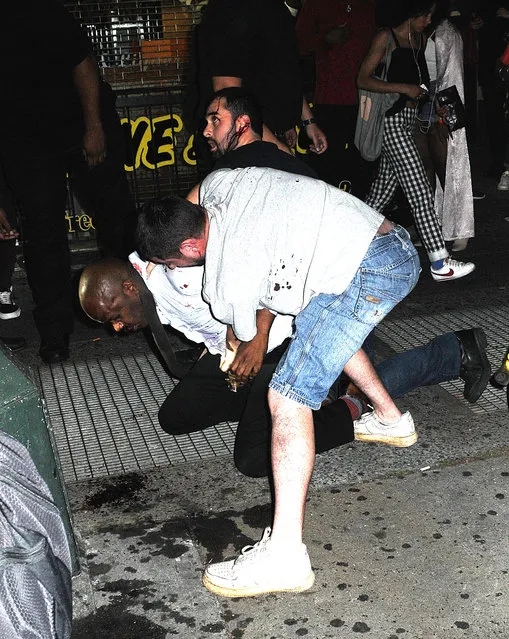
(250,355)
(86,81)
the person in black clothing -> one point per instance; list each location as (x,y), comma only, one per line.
(58,118)
(252,43)
(234,132)
(493,37)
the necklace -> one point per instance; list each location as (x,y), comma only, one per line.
(415,56)
(348,7)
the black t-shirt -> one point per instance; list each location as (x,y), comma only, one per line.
(254,40)
(40,44)
(263,154)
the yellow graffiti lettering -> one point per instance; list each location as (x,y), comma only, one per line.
(85,222)
(189,154)
(69,217)
(153,140)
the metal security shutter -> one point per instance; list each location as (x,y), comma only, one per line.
(139,42)
(143,48)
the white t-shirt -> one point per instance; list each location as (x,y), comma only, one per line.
(276,240)
(179,302)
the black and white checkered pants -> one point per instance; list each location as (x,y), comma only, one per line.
(401,164)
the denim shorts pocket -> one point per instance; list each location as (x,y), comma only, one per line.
(378,294)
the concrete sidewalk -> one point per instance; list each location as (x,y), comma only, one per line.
(415,554)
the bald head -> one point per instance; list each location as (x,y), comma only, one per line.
(108,293)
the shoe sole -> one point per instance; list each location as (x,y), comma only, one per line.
(400,442)
(7,316)
(253,592)
(478,389)
(502,188)
(448,278)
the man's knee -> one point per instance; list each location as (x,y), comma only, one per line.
(252,464)
(173,419)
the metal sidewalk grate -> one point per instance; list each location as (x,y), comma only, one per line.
(104,417)
(403,334)
(104,412)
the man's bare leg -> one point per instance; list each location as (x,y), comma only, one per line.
(360,370)
(293,458)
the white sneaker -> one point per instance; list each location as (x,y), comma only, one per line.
(369,428)
(503,184)
(258,570)
(452,270)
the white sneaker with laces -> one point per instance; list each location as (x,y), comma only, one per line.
(452,270)
(8,307)
(503,184)
(369,428)
(260,569)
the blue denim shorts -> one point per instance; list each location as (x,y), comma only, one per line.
(332,328)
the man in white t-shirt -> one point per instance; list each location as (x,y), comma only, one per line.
(274,242)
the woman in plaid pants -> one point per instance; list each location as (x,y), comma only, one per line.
(400,163)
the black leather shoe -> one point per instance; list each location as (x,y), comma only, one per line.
(475,368)
(14,343)
(54,351)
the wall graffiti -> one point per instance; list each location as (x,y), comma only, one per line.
(153,142)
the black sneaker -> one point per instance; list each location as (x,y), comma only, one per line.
(8,307)
(478,195)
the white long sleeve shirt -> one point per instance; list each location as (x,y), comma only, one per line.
(179,302)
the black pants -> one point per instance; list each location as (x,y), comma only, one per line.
(38,183)
(341,163)
(7,247)
(7,261)
(495,95)
(203,399)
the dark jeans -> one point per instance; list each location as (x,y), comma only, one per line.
(203,399)
(38,183)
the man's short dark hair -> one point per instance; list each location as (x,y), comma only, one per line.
(164,224)
(239,101)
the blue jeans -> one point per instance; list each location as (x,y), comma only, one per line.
(435,362)
(332,328)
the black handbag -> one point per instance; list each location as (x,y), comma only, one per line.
(455,117)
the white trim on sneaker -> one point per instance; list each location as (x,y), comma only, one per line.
(369,428)
(7,300)
(452,270)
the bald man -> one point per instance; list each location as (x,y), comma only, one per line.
(109,294)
